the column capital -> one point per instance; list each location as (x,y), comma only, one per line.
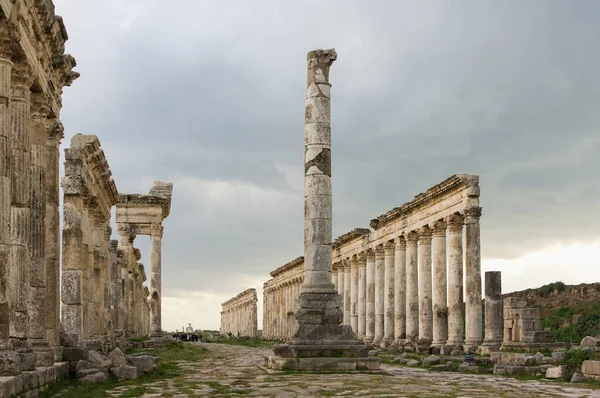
(156,230)
(362,258)
(346,263)
(439,228)
(379,252)
(425,235)
(455,223)
(389,248)
(400,243)
(21,80)
(370,254)
(8,41)
(319,62)
(411,238)
(56,132)
(40,106)
(472,215)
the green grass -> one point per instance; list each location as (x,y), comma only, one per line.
(243,341)
(174,351)
(589,325)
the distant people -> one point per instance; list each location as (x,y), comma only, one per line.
(200,337)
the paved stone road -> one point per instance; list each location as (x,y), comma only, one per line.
(239,371)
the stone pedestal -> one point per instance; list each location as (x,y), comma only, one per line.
(320,341)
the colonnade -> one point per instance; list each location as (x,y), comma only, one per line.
(280,300)
(239,315)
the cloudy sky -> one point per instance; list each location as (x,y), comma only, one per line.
(210,96)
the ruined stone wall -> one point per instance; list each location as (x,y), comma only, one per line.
(239,314)
(280,300)
(402,281)
(33,71)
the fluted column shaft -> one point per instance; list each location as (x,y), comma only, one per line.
(354,295)
(370,305)
(156,281)
(379,293)
(317,174)
(473,317)
(5,190)
(334,277)
(439,296)
(347,292)
(455,281)
(362,297)
(388,291)
(425,315)
(400,290)
(412,287)
(341,283)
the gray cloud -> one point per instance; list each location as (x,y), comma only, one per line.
(209,95)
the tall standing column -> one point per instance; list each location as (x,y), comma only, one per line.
(473,278)
(334,276)
(440,305)
(347,292)
(400,291)
(341,283)
(456,336)
(493,311)
(155,281)
(354,294)
(317,174)
(425,315)
(388,291)
(412,287)
(362,294)
(379,294)
(55,135)
(5,182)
(370,307)
(19,264)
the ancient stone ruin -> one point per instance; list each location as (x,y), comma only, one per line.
(100,284)
(239,315)
(522,327)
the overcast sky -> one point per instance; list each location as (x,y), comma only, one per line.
(209,95)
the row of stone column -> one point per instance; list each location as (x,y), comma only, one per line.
(410,290)
(239,315)
(280,303)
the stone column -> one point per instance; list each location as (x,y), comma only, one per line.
(473,311)
(36,301)
(425,290)
(370,306)
(412,287)
(439,297)
(456,336)
(354,294)
(5,181)
(362,294)
(400,291)
(317,179)
(19,264)
(126,242)
(388,291)
(347,292)
(334,276)
(493,311)
(379,294)
(114,287)
(341,281)
(155,282)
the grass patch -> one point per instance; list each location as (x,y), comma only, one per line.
(139,339)
(243,341)
(174,351)
(221,389)
(588,325)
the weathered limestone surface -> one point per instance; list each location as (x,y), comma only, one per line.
(425,315)
(439,296)
(400,291)
(354,294)
(239,316)
(522,327)
(493,312)
(388,291)
(379,294)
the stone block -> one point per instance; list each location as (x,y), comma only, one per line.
(8,386)
(579,378)
(27,359)
(29,380)
(516,359)
(144,362)
(412,362)
(590,343)
(117,357)
(591,369)
(556,372)
(96,357)
(74,354)
(61,369)
(83,366)
(446,350)
(95,378)
(44,356)
(457,353)
(323,364)
(126,372)
(559,356)
(431,360)
(10,364)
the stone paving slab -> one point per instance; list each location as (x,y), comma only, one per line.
(238,371)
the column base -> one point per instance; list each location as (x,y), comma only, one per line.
(10,363)
(489,346)
(44,354)
(386,343)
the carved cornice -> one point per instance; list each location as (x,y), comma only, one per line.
(156,230)
(350,236)
(247,296)
(292,264)
(455,182)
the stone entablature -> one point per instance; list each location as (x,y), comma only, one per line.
(280,300)
(239,315)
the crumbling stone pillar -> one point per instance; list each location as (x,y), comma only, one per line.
(493,312)
(155,281)
(379,293)
(341,280)
(412,287)
(114,296)
(456,336)
(354,294)
(362,294)
(334,276)
(400,291)
(439,295)
(388,295)
(126,243)
(370,307)
(473,278)
(425,315)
